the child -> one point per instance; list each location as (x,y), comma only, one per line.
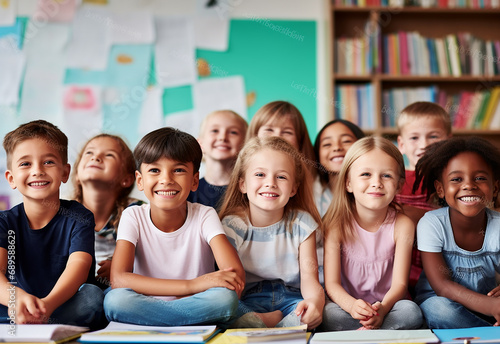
(269,215)
(368,243)
(163,266)
(222,135)
(330,147)
(103,179)
(280,118)
(419,124)
(460,243)
(46,244)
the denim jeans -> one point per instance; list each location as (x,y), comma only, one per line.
(85,308)
(404,315)
(213,306)
(269,296)
(441,312)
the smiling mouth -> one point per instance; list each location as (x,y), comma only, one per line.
(167,193)
(337,159)
(38,183)
(470,199)
(269,195)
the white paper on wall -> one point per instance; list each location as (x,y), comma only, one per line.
(7,12)
(211,24)
(12,63)
(175,51)
(132,28)
(151,117)
(90,41)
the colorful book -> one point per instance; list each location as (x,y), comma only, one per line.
(127,333)
(482,110)
(473,335)
(43,333)
(295,334)
(492,106)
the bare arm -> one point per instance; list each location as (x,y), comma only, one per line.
(357,308)
(439,276)
(123,277)
(73,276)
(312,291)
(227,259)
(404,233)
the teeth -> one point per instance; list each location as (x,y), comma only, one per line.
(338,159)
(39,183)
(268,194)
(167,193)
(470,199)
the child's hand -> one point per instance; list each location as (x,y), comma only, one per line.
(375,321)
(226,278)
(104,270)
(362,310)
(29,309)
(495,292)
(312,314)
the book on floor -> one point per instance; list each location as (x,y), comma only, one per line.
(489,334)
(128,333)
(375,336)
(289,335)
(39,333)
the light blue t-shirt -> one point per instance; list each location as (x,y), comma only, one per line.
(272,252)
(476,270)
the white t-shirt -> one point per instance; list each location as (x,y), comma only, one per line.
(184,254)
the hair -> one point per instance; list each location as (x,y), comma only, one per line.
(241,121)
(277,111)
(431,165)
(340,214)
(128,168)
(169,143)
(423,109)
(236,203)
(38,129)
(358,133)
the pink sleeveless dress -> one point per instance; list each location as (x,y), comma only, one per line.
(367,263)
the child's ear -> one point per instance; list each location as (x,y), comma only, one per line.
(10,179)
(196,181)
(243,187)
(495,189)
(66,171)
(127,181)
(138,179)
(294,190)
(439,188)
(348,186)
(401,144)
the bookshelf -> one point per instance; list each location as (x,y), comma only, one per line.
(349,22)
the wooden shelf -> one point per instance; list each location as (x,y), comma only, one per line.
(406,78)
(414,9)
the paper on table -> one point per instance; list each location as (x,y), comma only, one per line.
(8,13)
(175,51)
(90,41)
(220,93)
(44,75)
(132,28)
(55,10)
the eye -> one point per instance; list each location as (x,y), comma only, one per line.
(49,162)
(153,170)
(326,145)
(234,132)
(345,142)
(259,174)
(179,170)
(24,164)
(387,175)
(111,155)
(214,131)
(88,152)
(282,177)
(288,132)
(456,179)
(414,138)
(481,178)
(365,174)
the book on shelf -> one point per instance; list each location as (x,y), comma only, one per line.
(473,335)
(358,101)
(376,336)
(474,4)
(295,334)
(128,333)
(40,333)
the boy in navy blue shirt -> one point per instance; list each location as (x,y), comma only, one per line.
(46,244)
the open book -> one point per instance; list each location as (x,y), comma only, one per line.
(375,336)
(490,334)
(289,335)
(128,333)
(42,333)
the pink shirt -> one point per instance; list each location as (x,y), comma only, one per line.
(367,262)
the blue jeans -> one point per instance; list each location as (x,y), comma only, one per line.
(85,308)
(213,306)
(443,313)
(269,296)
(404,315)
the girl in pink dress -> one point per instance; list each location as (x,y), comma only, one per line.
(368,243)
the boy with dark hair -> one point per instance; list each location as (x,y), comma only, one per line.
(46,244)
(163,266)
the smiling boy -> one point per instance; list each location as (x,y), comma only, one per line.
(46,244)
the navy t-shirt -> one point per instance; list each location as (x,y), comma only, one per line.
(40,256)
(208,194)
